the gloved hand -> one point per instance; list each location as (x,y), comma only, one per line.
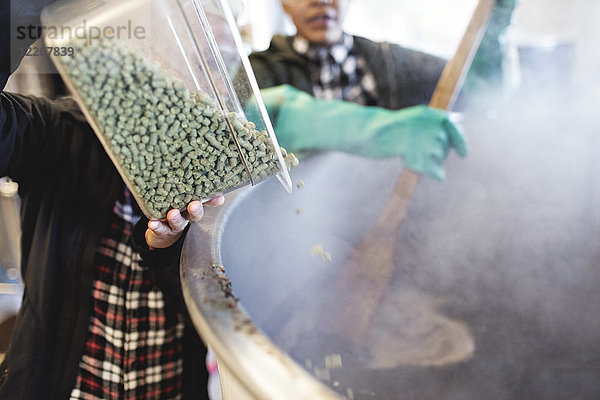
(421,135)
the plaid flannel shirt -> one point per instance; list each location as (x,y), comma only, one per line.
(338,71)
(134,345)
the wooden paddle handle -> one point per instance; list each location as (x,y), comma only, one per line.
(444,96)
(379,243)
(456,69)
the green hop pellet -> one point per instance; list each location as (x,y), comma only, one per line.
(172,145)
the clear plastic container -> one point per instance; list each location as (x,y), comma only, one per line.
(168,89)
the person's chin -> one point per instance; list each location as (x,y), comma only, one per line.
(325,37)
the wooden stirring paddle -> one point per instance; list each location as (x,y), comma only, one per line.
(367,271)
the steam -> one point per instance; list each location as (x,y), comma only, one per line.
(501,261)
(410,329)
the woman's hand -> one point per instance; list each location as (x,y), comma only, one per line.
(163,233)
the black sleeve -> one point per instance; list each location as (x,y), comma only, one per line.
(419,72)
(274,70)
(23,119)
(24,124)
(263,72)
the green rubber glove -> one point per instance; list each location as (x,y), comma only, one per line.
(421,135)
(489,67)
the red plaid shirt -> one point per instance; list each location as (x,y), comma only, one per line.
(133,350)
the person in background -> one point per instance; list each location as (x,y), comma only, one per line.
(348,84)
(102,313)
(492,75)
(323,60)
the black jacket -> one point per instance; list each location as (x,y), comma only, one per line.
(68,186)
(404,77)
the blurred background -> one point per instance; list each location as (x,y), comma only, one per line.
(550,57)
